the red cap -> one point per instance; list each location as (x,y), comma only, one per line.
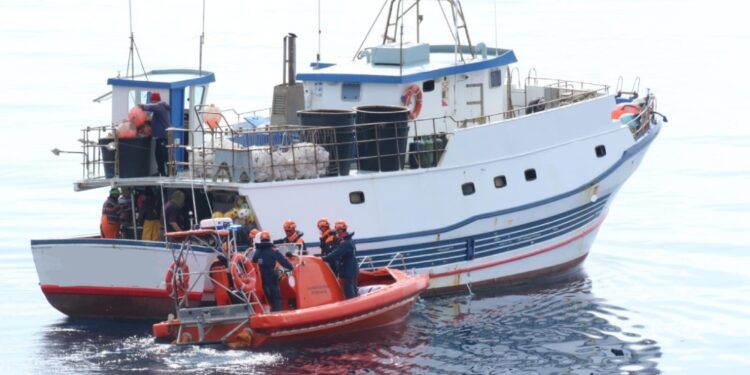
(155,97)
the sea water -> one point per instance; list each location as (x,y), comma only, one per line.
(664,290)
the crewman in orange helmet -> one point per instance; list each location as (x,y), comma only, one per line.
(346,253)
(328,242)
(267,257)
(293,235)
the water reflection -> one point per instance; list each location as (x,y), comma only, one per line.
(556,326)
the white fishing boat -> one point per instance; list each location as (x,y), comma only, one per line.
(448,161)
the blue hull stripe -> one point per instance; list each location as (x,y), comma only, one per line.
(488,244)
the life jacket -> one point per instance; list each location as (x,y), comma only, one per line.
(111,209)
(296,237)
(328,240)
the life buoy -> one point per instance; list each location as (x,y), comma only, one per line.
(178,279)
(416,92)
(243,273)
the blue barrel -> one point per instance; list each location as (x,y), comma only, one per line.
(381,142)
(342,148)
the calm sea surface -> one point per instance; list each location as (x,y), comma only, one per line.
(665,289)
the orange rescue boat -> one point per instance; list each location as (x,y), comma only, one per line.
(312,299)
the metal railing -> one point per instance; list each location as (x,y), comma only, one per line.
(234,149)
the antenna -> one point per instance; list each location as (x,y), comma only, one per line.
(203,34)
(133,48)
(496,45)
(319,31)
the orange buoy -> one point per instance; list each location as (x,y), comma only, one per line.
(137,116)
(415,92)
(212,116)
(178,279)
(243,273)
(624,108)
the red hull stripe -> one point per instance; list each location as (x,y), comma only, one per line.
(113,291)
(523,256)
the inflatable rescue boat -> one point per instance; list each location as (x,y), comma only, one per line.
(312,301)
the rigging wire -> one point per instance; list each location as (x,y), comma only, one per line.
(369,31)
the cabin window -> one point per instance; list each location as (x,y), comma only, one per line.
(600,151)
(136,97)
(496,78)
(356,197)
(530,174)
(500,182)
(350,92)
(428,86)
(468,188)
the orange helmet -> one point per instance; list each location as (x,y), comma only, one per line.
(289,225)
(323,223)
(265,236)
(253,232)
(341,225)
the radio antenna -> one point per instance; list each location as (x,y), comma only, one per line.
(319,31)
(133,48)
(203,35)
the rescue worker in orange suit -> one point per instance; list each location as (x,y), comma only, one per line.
(328,242)
(267,257)
(346,254)
(109,225)
(293,236)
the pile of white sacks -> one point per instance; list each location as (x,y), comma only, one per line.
(297,161)
(301,160)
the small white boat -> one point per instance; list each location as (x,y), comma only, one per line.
(471,179)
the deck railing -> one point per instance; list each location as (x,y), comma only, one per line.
(228,145)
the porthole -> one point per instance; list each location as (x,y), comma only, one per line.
(500,182)
(600,151)
(530,174)
(428,86)
(468,188)
(356,197)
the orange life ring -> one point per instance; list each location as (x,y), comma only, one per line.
(178,279)
(243,273)
(416,92)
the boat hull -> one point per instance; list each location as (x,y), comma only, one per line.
(542,231)
(238,326)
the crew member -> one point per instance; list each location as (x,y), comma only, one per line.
(148,216)
(267,257)
(160,121)
(328,242)
(346,253)
(109,224)
(173,214)
(293,236)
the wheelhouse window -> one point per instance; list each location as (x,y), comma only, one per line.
(350,92)
(496,78)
